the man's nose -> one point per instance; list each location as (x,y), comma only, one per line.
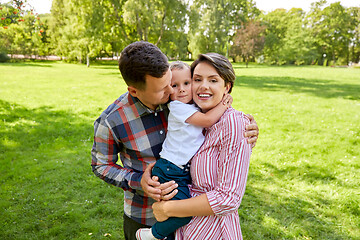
(170,90)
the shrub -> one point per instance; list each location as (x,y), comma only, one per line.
(4,57)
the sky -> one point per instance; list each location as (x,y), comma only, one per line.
(44,6)
(270,5)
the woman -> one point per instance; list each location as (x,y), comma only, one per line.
(219,169)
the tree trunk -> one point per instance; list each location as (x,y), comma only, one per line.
(162,28)
(138,28)
(119,20)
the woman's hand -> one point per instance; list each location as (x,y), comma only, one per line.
(251,131)
(159,211)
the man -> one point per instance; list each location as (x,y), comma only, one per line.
(134,128)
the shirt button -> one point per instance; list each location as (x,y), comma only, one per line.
(155,114)
(161,131)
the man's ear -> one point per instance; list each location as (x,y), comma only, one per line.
(133,91)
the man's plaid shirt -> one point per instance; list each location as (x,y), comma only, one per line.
(134,132)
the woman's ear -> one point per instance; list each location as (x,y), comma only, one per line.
(227,87)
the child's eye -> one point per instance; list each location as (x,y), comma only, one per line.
(187,83)
(174,86)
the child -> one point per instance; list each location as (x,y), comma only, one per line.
(184,138)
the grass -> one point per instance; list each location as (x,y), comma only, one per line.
(303,181)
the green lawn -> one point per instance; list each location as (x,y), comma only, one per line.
(304,172)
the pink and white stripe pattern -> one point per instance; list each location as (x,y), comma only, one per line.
(220,169)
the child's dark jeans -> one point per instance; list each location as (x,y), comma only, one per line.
(167,171)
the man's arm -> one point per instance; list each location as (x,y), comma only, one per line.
(105,156)
(209,118)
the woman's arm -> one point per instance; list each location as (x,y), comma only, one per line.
(232,175)
(197,206)
(209,118)
(233,164)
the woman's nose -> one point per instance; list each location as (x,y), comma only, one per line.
(204,85)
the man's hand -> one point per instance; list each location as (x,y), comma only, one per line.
(251,131)
(154,189)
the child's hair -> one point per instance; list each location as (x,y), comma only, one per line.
(179,65)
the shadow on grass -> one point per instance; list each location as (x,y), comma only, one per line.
(306,172)
(267,215)
(48,190)
(29,64)
(315,87)
(285,213)
(105,62)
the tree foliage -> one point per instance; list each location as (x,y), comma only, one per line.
(355,41)
(21,30)
(248,41)
(333,29)
(81,30)
(213,23)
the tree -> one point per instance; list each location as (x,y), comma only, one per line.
(298,44)
(23,32)
(276,23)
(88,28)
(213,23)
(77,29)
(355,41)
(11,13)
(161,22)
(248,41)
(288,38)
(333,30)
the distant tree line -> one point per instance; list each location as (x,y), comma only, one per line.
(82,30)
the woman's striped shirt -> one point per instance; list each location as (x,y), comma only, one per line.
(220,170)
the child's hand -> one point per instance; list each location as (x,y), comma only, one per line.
(227,100)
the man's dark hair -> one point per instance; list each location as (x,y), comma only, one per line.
(139,59)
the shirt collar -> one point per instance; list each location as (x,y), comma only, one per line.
(141,108)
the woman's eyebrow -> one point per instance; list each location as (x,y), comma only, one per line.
(215,75)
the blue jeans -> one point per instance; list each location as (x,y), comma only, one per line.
(167,171)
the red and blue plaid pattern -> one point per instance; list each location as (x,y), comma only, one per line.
(134,132)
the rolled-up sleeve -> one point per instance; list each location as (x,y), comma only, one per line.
(233,166)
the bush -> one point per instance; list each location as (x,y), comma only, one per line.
(4,57)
